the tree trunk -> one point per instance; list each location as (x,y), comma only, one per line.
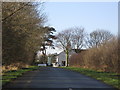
(67,58)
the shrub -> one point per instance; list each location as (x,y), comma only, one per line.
(103,58)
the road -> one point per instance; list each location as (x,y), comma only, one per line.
(55,78)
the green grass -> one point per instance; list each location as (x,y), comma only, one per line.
(107,77)
(10,75)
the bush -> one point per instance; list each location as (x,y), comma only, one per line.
(103,58)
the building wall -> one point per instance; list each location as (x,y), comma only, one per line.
(62,57)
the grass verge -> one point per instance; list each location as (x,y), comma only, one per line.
(10,75)
(107,77)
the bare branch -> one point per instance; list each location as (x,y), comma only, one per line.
(15,11)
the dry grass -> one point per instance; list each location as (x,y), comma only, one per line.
(14,66)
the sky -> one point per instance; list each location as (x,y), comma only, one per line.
(90,15)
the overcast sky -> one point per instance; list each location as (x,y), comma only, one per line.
(90,15)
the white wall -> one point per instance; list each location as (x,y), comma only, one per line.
(62,56)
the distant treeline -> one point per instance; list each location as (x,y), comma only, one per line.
(101,48)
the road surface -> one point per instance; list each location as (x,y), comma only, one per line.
(55,79)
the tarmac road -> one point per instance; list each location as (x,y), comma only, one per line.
(54,79)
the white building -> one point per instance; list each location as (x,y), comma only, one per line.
(61,58)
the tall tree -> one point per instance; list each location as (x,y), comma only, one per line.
(98,37)
(22,31)
(64,39)
(48,40)
(78,38)
(72,38)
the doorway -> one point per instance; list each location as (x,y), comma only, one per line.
(63,63)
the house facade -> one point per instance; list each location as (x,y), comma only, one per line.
(61,58)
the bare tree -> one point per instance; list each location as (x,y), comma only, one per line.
(71,38)
(78,37)
(97,38)
(64,39)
